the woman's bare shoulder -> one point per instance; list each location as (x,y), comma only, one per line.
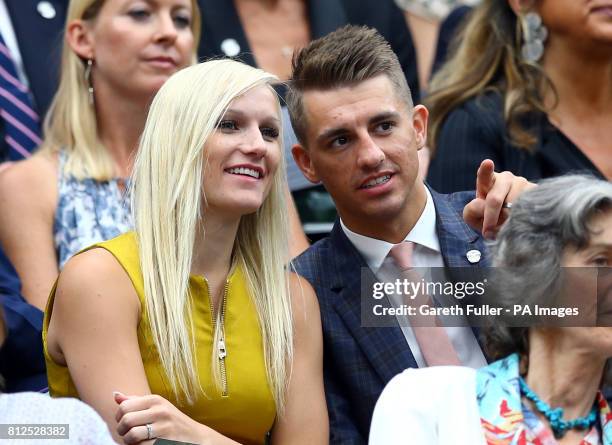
(32,180)
(44,164)
(95,278)
(94,306)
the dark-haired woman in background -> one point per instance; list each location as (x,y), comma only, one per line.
(530,87)
(544,387)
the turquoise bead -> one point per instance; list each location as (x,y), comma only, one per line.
(555,415)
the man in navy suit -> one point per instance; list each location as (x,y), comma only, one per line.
(359,135)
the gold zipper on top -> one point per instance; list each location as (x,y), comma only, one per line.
(221,350)
(221,343)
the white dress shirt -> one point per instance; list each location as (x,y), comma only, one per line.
(426,254)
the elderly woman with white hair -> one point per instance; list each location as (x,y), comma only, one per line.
(545,386)
(190,328)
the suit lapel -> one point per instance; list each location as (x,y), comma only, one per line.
(385,348)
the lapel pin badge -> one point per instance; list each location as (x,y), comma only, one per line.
(46,10)
(473,256)
(230,47)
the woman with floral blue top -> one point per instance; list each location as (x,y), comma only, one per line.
(545,387)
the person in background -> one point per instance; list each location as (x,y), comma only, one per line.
(545,386)
(84,426)
(530,88)
(193,318)
(116,55)
(424,18)
(448,36)
(69,194)
(359,135)
(265,34)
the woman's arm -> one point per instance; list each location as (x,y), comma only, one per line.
(93,330)
(305,419)
(28,197)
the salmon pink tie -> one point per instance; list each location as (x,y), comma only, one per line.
(434,342)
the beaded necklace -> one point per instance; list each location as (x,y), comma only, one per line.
(555,415)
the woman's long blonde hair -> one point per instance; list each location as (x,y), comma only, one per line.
(487,57)
(70,123)
(167,204)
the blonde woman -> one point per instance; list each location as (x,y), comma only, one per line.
(192,319)
(116,56)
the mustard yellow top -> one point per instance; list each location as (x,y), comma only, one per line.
(248,410)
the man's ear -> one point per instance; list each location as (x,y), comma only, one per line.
(79,37)
(419,123)
(302,158)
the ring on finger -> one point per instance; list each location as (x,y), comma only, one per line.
(507,205)
(149,431)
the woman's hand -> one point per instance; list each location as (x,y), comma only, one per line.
(164,419)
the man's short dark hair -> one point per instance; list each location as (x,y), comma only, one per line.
(345,57)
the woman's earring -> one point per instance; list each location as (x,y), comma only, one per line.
(88,81)
(534,36)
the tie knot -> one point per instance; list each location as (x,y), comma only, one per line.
(402,254)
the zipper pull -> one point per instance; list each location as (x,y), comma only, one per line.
(221,348)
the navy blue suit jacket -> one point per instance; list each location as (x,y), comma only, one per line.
(360,361)
(22,363)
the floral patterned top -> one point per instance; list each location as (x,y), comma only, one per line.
(88,212)
(507,421)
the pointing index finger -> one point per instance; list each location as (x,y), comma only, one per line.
(485,178)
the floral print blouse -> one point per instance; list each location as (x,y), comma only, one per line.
(507,421)
(88,212)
